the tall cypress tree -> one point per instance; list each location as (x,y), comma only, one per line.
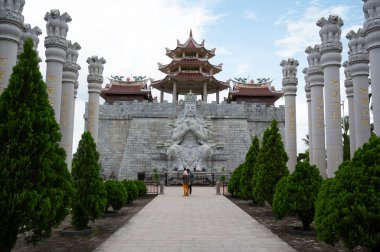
(271,165)
(90,193)
(35,185)
(249,169)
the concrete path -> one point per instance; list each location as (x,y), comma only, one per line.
(201,222)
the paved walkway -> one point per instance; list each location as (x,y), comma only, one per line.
(201,222)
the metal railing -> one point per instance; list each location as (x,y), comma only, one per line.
(175,178)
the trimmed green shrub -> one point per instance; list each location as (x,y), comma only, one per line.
(248,170)
(35,185)
(116,194)
(348,205)
(296,193)
(271,165)
(233,185)
(132,190)
(90,196)
(141,187)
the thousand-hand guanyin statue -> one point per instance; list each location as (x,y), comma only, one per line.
(190,137)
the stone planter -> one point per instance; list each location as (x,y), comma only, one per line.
(70,231)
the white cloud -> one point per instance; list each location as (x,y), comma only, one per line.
(303,32)
(250,15)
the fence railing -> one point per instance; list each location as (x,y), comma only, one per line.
(175,178)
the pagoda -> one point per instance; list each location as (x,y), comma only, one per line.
(190,69)
(126,90)
(261,92)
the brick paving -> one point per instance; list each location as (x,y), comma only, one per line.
(201,222)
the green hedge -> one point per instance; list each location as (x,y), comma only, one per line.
(141,187)
(116,194)
(132,190)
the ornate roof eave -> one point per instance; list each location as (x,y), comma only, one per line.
(165,68)
(158,84)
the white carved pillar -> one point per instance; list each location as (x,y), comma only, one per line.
(359,70)
(56,45)
(32,33)
(174,92)
(69,80)
(331,58)
(95,81)
(11,21)
(371,32)
(310,120)
(205,92)
(351,108)
(315,77)
(289,84)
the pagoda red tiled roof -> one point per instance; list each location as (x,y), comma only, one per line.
(255,91)
(124,89)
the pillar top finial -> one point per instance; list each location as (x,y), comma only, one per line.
(289,68)
(95,69)
(32,33)
(15,6)
(330,28)
(57,23)
(72,52)
(357,43)
(314,56)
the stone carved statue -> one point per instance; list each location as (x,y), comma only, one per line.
(95,65)
(190,137)
(289,68)
(56,23)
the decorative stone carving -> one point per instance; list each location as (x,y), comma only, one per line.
(57,23)
(95,69)
(32,33)
(190,147)
(11,10)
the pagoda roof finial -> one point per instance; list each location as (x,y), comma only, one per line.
(191,33)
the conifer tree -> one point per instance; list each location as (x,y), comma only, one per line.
(248,170)
(271,165)
(296,194)
(90,197)
(35,185)
(233,185)
(347,207)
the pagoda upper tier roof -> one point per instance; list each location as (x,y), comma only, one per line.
(191,46)
(193,81)
(254,90)
(119,88)
(189,62)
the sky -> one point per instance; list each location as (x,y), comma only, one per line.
(251,38)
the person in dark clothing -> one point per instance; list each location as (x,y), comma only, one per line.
(191,176)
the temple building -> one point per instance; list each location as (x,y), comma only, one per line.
(261,92)
(137,133)
(126,90)
(190,69)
